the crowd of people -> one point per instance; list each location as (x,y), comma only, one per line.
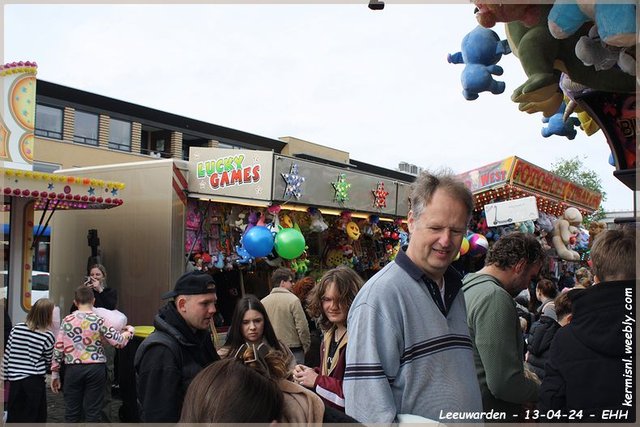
(416,342)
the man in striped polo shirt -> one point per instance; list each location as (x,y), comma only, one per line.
(409,352)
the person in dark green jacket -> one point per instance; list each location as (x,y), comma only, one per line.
(498,346)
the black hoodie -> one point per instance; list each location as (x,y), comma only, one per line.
(162,377)
(590,358)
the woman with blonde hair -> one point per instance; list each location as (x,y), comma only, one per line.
(330,302)
(25,362)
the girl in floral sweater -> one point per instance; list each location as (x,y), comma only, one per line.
(79,346)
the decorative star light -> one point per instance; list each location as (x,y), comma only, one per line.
(294,182)
(114,191)
(380,196)
(50,186)
(92,191)
(341,186)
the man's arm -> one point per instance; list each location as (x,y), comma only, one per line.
(496,338)
(372,357)
(158,386)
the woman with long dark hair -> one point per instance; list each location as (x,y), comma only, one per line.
(250,324)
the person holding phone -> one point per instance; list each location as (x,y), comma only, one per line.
(97,281)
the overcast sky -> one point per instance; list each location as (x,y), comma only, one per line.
(376,84)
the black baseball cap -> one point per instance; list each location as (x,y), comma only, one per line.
(192,283)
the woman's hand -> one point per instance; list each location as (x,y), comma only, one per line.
(305,376)
(96,285)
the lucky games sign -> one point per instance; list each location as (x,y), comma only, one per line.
(233,173)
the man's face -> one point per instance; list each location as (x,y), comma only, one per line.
(197,310)
(523,274)
(437,234)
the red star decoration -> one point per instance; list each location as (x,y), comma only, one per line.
(380,196)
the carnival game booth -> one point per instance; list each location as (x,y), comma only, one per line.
(251,211)
(515,194)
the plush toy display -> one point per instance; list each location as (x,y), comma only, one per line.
(595,228)
(570,90)
(558,126)
(481,51)
(542,57)
(616,22)
(317,222)
(592,51)
(565,231)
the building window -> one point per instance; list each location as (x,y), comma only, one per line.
(48,121)
(229,146)
(86,128)
(119,135)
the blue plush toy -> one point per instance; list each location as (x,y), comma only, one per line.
(481,51)
(557,125)
(245,257)
(616,22)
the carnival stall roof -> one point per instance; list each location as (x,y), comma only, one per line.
(54,191)
(514,178)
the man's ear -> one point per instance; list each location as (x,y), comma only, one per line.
(181,302)
(520,266)
(411,221)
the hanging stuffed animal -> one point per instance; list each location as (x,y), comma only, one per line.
(317,222)
(543,56)
(595,228)
(245,257)
(592,51)
(557,125)
(564,234)
(481,51)
(616,22)
(251,221)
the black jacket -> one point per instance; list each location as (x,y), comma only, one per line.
(539,343)
(592,359)
(162,377)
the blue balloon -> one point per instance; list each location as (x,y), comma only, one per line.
(258,241)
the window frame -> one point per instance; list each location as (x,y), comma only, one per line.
(81,139)
(48,133)
(115,145)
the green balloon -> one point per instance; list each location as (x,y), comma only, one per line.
(289,243)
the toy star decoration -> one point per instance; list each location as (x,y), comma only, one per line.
(380,196)
(341,186)
(294,182)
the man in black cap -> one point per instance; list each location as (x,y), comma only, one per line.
(179,348)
